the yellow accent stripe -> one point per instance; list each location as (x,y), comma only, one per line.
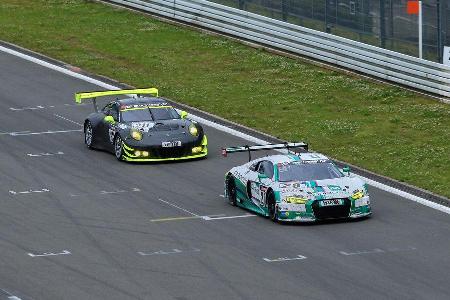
(88,95)
(166,159)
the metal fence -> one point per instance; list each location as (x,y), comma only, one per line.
(378,62)
(383,23)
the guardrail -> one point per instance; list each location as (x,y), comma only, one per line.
(374,61)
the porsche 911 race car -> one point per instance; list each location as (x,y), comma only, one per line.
(302,187)
(142,128)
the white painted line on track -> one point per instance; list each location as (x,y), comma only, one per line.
(133,190)
(180,208)
(163,252)
(10,295)
(20,133)
(40,107)
(377,250)
(281,259)
(222,128)
(64,252)
(29,192)
(68,120)
(210,218)
(45,154)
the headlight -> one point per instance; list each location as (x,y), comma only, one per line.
(358,195)
(136,134)
(193,130)
(295,200)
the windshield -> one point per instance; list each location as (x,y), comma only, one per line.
(297,171)
(149,114)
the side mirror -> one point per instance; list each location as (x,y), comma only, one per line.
(262,176)
(109,119)
(183,114)
(346,169)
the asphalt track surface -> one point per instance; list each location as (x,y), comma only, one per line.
(78,224)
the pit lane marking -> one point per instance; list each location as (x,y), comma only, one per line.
(45,154)
(173,251)
(133,190)
(377,250)
(20,133)
(64,252)
(282,259)
(29,192)
(68,120)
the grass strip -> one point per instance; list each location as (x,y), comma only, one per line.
(382,128)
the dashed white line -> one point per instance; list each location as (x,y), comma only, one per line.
(45,154)
(20,133)
(281,259)
(180,208)
(29,192)
(68,120)
(64,252)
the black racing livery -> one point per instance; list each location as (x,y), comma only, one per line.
(143,129)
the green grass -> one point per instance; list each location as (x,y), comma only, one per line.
(382,128)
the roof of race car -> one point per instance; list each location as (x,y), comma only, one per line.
(142,102)
(300,157)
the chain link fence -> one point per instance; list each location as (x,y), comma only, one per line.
(383,23)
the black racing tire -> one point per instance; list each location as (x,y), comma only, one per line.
(271,207)
(88,135)
(118,148)
(231,190)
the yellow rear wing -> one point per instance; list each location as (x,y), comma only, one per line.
(93,95)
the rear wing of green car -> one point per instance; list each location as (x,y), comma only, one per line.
(93,95)
(249,149)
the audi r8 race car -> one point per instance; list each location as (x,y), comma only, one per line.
(303,187)
(142,128)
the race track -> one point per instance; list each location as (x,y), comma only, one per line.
(78,224)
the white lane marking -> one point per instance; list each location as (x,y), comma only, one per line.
(225,129)
(10,296)
(20,133)
(280,259)
(180,208)
(42,106)
(45,154)
(68,120)
(377,250)
(64,252)
(29,192)
(223,196)
(173,251)
(211,218)
(108,192)
(14,133)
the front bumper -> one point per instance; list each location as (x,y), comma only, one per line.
(310,212)
(156,154)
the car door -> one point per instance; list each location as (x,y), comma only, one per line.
(108,130)
(259,185)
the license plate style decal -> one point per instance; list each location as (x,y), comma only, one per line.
(171,144)
(331,202)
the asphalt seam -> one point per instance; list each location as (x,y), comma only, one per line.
(232,126)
